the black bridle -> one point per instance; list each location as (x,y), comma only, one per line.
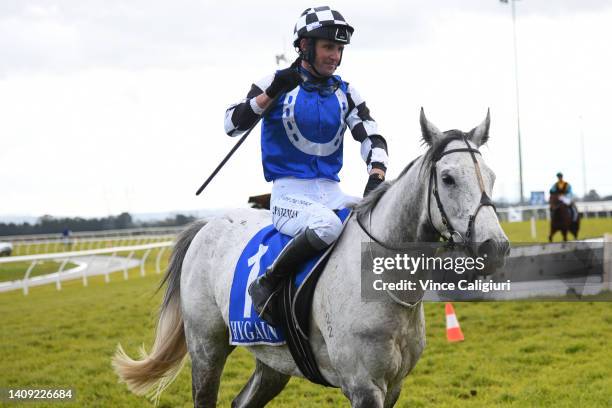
(452,237)
(485,200)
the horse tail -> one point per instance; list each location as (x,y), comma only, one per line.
(154,371)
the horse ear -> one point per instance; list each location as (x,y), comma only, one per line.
(431,134)
(480,134)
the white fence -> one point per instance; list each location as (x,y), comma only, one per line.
(95,234)
(85,240)
(65,257)
(83,243)
(588,209)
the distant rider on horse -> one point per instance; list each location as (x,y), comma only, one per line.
(301,143)
(563,190)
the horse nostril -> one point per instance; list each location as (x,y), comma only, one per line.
(494,251)
(487,249)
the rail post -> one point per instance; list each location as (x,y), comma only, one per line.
(607,262)
(108,267)
(27,277)
(158,260)
(125,266)
(142,262)
(58,282)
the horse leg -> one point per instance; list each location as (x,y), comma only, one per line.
(358,383)
(564,233)
(208,354)
(365,395)
(393,394)
(264,384)
(207,340)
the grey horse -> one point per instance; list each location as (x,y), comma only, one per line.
(365,348)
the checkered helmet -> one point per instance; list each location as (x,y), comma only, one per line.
(322,22)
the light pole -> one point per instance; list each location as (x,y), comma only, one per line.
(518,119)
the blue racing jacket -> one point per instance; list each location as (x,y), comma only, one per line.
(302,134)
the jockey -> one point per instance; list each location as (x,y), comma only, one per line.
(302,143)
(566,196)
(563,189)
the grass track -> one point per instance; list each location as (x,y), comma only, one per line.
(16,270)
(515,354)
(589,228)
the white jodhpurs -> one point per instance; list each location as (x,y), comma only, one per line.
(297,204)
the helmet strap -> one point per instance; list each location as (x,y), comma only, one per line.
(311,54)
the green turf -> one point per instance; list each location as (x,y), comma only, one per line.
(517,232)
(16,270)
(589,228)
(515,353)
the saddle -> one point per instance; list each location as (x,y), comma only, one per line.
(294,306)
(293,300)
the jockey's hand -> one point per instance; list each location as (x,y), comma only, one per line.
(284,80)
(374,181)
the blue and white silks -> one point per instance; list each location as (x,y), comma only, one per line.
(302,136)
(245,326)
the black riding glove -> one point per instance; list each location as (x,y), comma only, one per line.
(374,181)
(284,80)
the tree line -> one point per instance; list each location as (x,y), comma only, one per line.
(48,224)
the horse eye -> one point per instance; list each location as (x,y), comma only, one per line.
(448,180)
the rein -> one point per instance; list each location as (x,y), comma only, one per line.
(451,235)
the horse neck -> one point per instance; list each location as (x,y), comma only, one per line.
(401,213)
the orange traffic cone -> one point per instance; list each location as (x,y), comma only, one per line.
(453,331)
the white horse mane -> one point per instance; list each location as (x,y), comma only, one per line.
(369,202)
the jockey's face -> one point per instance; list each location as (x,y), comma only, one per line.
(327,56)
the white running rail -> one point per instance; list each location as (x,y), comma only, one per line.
(64,257)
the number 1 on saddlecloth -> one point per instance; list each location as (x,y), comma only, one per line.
(253,262)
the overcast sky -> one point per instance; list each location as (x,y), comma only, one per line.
(111,106)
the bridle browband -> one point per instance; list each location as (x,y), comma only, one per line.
(451,232)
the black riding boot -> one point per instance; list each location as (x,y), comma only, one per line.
(299,250)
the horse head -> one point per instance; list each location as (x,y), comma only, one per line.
(460,184)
